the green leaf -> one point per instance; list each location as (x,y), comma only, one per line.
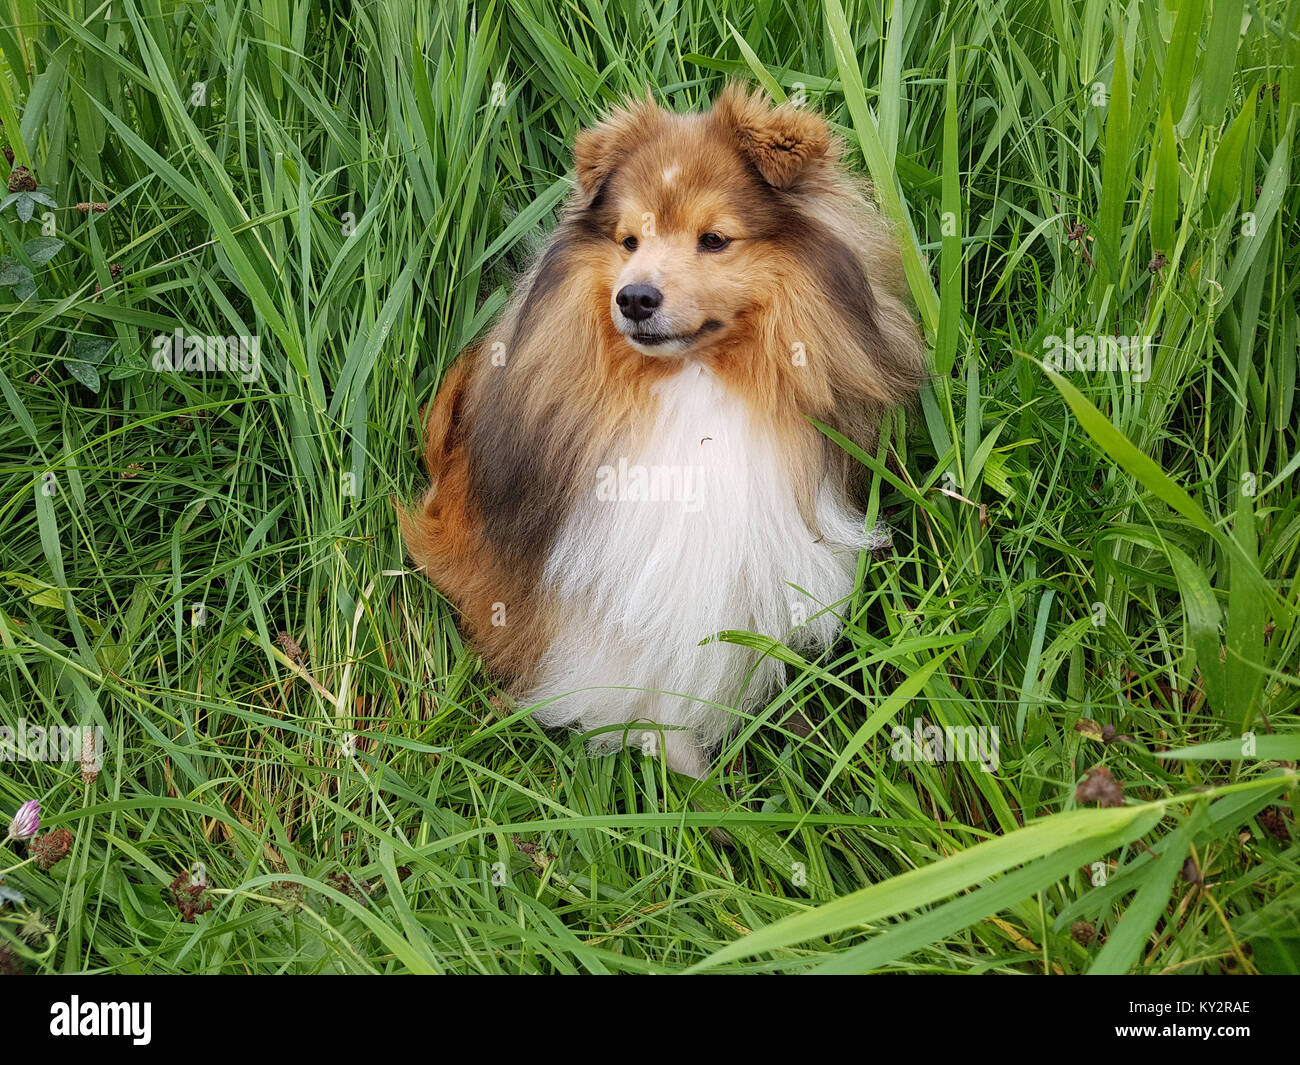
(1203,618)
(1180,64)
(950,255)
(1225,172)
(908,689)
(1244,642)
(1285,748)
(92,349)
(1116,171)
(1117,447)
(83,372)
(756,66)
(1220,59)
(12,272)
(1164,197)
(1124,945)
(928,884)
(780,856)
(880,165)
(132,365)
(1276,181)
(912,934)
(42,249)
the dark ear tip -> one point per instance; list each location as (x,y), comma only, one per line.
(782,140)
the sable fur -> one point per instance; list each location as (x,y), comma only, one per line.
(800,315)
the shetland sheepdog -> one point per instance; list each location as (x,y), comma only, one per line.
(625,465)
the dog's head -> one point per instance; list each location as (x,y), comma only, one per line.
(692,213)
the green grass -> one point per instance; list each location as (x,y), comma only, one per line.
(1071,547)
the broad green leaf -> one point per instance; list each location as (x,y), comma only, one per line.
(1263,748)
(914,933)
(42,249)
(1119,449)
(1225,172)
(1164,197)
(920,887)
(1116,171)
(1180,64)
(1203,619)
(1123,946)
(1220,59)
(950,229)
(84,372)
(12,272)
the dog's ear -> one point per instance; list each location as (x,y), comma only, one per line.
(600,150)
(783,142)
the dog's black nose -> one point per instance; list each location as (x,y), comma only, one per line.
(638,302)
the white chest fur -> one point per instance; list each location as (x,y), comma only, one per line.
(695,530)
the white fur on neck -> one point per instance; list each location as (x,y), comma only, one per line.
(641,582)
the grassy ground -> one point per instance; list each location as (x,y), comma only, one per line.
(209,569)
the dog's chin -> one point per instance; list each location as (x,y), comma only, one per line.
(669,344)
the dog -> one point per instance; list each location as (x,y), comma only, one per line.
(626,465)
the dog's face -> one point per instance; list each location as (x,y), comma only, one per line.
(689,213)
(684,250)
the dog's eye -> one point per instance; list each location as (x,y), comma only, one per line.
(714,242)
(630,243)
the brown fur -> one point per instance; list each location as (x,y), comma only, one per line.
(802,314)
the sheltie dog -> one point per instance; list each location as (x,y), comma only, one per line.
(625,465)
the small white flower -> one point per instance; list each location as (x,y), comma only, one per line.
(26,821)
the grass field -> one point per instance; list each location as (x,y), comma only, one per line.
(1100,564)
